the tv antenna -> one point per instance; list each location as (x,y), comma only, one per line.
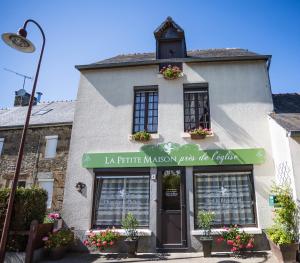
(19,74)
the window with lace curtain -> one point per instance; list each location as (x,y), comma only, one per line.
(229,195)
(115,196)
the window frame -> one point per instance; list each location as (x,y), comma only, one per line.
(151,88)
(48,138)
(47,180)
(117,172)
(1,146)
(196,87)
(222,169)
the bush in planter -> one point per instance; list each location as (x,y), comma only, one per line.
(101,240)
(57,242)
(141,136)
(239,241)
(283,235)
(30,204)
(205,219)
(130,224)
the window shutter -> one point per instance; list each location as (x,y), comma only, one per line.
(51,144)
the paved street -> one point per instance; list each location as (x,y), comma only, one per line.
(258,257)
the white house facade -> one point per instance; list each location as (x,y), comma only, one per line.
(165,182)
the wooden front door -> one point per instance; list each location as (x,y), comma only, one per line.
(171,216)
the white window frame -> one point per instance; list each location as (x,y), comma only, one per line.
(51,141)
(1,145)
(50,195)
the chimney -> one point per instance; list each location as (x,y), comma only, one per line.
(39,96)
(22,98)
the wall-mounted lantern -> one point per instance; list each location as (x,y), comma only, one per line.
(80,186)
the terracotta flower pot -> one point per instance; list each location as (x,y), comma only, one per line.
(284,253)
(198,136)
(207,247)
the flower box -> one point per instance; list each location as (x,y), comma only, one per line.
(200,133)
(198,136)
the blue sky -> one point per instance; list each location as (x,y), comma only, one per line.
(80,32)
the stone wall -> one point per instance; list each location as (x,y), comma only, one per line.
(34,165)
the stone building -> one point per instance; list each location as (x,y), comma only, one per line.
(46,149)
(166,181)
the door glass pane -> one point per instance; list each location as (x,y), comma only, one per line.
(171,189)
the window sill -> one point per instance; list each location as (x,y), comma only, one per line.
(142,232)
(186,135)
(217,231)
(154,136)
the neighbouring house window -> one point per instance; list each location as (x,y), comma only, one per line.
(21,184)
(47,184)
(115,196)
(145,110)
(1,145)
(51,144)
(229,195)
(196,108)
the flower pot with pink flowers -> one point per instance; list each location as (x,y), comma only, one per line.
(57,243)
(54,218)
(238,241)
(171,72)
(101,240)
(200,133)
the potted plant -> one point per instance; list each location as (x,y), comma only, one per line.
(101,240)
(54,218)
(199,133)
(130,224)
(171,72)
(57,243)
(141,136)
(283,236)
(205,219)
(238,241)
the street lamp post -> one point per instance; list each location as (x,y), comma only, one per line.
(21,43)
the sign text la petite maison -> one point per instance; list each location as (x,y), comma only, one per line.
(171,154)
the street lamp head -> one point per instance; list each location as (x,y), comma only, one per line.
(19,41)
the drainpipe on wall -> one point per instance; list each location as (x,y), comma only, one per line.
(37,159)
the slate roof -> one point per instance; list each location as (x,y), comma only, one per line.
(287,111)
(56,112)
(286,103)
(289,121)
(192,56)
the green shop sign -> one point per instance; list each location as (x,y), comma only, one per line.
(172,154)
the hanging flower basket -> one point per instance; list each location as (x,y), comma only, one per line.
(171,72)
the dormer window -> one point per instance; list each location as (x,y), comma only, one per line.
(170,42)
